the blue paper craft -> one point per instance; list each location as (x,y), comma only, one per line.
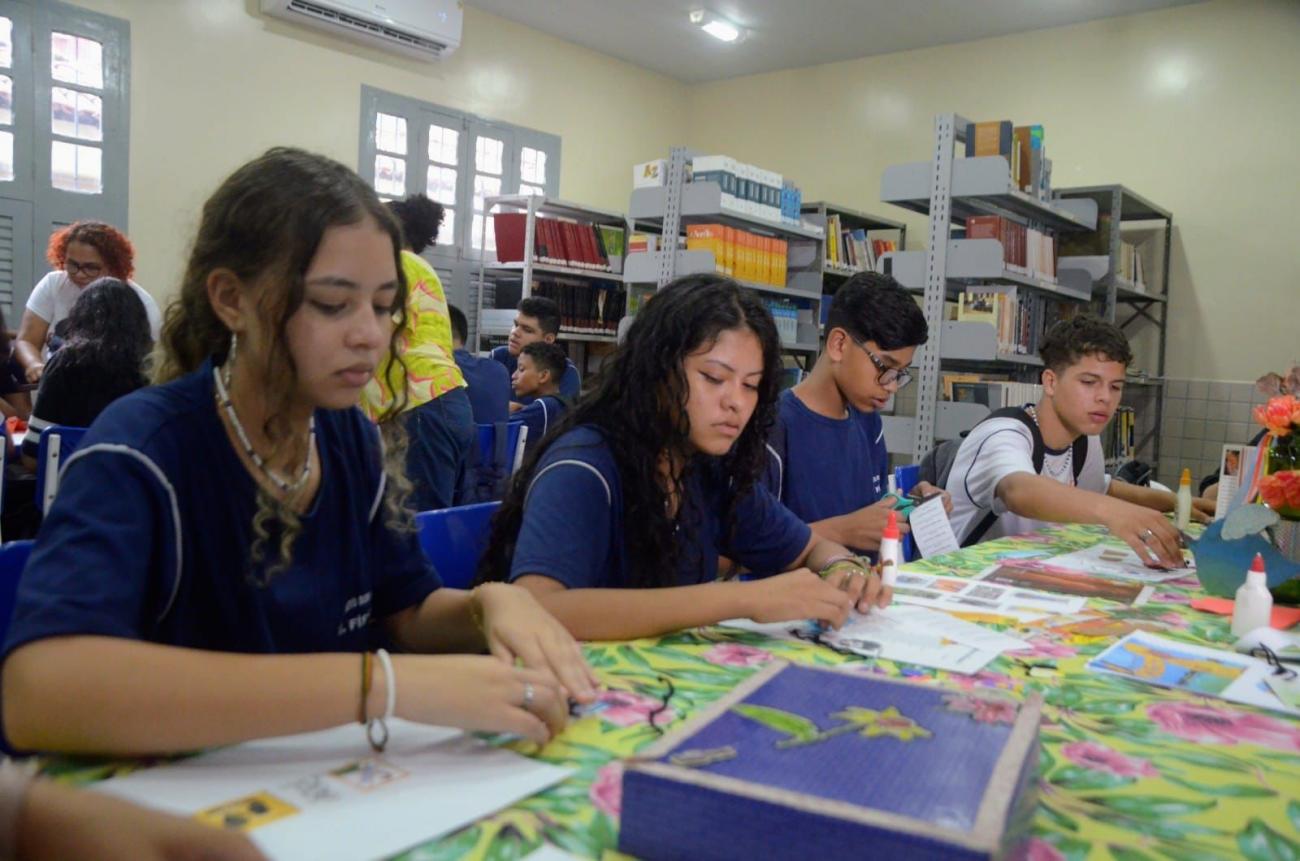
(831,765)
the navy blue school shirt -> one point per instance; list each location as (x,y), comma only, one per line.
(570,383)
(150,536)
(488,383)
(572,528)
(539,416)
(821,467)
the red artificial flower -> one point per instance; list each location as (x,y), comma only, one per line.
(1281,489)
(1280,415)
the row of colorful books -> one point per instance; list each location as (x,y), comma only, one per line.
(992,391)
(1019,316)
(746,189)
(586,307)
(559,241)
(1021,146)
(1024,249)
(740,254)
(852,248)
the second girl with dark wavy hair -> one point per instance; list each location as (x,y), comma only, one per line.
(620,516)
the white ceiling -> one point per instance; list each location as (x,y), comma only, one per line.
(787,34)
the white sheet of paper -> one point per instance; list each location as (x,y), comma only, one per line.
(899,637)
(1119,563)
(1156,660)
(967,633)
(340,799)
(931,529)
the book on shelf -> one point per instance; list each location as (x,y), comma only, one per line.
(746,188)
(586,307)
(995,394)
(1129,257)
(1025,250)
(1021,146)
(1019,317)
(1119,438)
(558,241)
(948,378)
(740,254)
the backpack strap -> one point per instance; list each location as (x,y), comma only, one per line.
(1078,454)
(1039,454)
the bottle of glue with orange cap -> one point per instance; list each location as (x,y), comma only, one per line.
(1183,510)
(889,550)
(1254,605)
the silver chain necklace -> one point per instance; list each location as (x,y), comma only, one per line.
(1066,468)
(288,488)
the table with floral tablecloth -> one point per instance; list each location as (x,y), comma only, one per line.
(1128,771)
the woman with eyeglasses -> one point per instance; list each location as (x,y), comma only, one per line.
(827,458)
(80,253)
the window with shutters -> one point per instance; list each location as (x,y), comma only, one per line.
(63,132)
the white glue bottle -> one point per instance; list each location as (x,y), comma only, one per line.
(889,550)
(1254,605)
(1183,510)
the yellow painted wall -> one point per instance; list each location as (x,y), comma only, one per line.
(213,83)
(1196,108)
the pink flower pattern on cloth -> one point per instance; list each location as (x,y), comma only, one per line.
(1098,757)
(606,792)
(1203,724)
(737,655)
(626,708)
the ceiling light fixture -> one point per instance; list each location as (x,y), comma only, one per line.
(717,27)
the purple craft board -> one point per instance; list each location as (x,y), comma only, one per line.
(915,772)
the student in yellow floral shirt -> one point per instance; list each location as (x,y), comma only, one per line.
(437,415)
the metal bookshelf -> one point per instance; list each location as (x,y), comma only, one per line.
(491,271)
(818,212)
(670,207)
(1126,303)
(943,188)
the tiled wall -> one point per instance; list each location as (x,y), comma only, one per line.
(1199,417)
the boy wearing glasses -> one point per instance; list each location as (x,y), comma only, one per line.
(827,458)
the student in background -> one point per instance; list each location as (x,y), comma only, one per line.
(537,379)
(247,538)
(487,381)
(828,462)
(80,253)
(106,344)
(14,397)
(617,519)
(428,387)
(538,319)
(1084,362)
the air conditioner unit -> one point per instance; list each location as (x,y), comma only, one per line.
(424,29)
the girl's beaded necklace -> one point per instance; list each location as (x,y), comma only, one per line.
(288,488)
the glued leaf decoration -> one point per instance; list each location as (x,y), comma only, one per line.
(1248,520)
(797,727)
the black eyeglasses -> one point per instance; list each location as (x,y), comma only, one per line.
(888,376)
(90,269)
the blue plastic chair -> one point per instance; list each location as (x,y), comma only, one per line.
(500,451)
(454,539)
(905,478)
(13,559)
(58,442)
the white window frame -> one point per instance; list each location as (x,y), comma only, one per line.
(31,193)
(456,257)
